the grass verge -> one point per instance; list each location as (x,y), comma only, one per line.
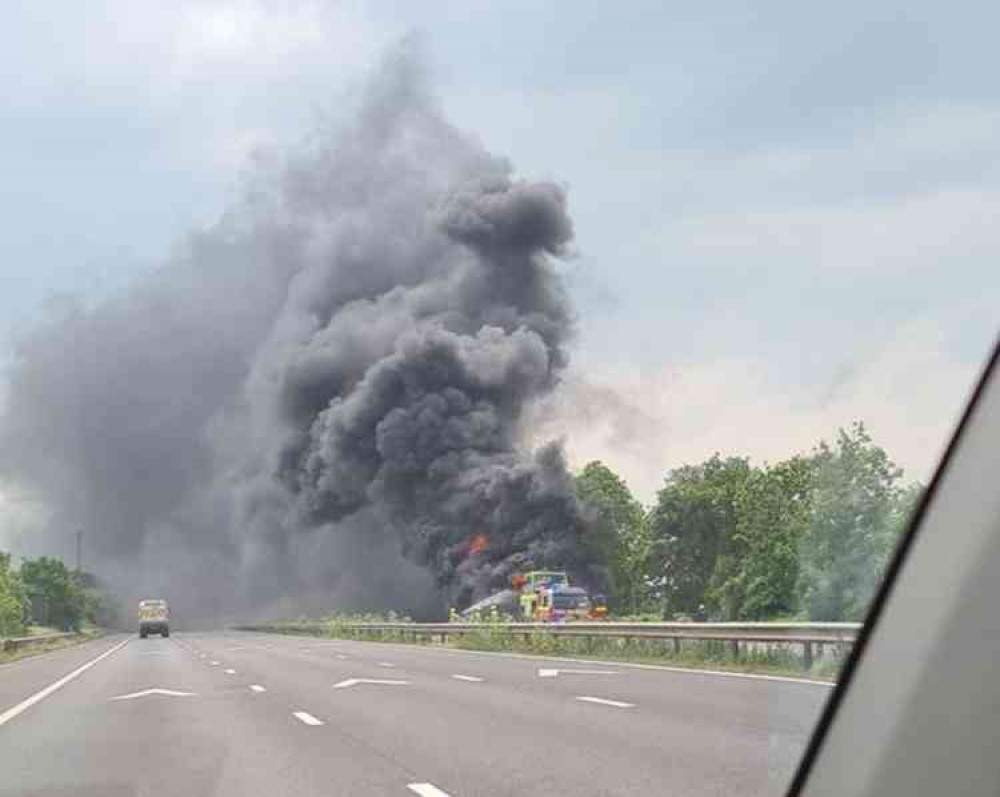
(47,646)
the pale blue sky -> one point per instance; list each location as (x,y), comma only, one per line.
(785,212)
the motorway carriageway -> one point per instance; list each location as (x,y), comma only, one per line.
(236,713)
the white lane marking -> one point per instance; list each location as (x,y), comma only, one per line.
(356,681)
(157,691)
(470,678)
(385,664)
(214,663)
(230,672)
(341,656)
(257,688)
(543,673)
(602,701)
(307,718)
(27,703)
(427,790)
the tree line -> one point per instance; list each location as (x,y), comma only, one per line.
(805,538)
(44,591)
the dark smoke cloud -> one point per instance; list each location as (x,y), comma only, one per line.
(320,399)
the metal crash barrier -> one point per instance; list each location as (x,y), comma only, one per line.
(811,638)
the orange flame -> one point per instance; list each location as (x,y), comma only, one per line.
(479,544)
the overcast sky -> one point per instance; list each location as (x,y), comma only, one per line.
(785,212)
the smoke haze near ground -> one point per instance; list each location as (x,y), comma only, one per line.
(318,402)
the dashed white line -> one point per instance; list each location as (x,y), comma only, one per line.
(604,702)
(549,673)
(385,664)
(24,705)
(307,718)
(214,663)
(257,688)
(341,656)
(471,678)
(427,790)
(230,672)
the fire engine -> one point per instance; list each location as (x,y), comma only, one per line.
(546,596)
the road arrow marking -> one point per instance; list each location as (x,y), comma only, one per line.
(355,681)
(145,692)
(426,790)
(544,673)
(602,701)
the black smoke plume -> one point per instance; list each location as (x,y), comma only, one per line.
(321,399)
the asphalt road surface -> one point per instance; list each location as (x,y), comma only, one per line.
(256,714)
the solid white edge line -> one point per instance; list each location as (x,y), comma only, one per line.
(27,703)
(257,688)
(427,790)
(307,718)
(605,702)
(471,678)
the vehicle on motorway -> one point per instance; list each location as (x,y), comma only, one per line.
(529,587)
(557,604)
(540,596)
(154,617)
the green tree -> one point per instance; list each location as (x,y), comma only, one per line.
(691,526)
(905,505)
(51,580)
(856,507)
(12,599)
(756,573)
(622,532)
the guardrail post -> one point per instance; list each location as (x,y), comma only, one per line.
(677,646)
(734,649)
(807,655)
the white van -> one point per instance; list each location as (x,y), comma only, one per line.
(154,618)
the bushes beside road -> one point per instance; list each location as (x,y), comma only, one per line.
(45,592)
